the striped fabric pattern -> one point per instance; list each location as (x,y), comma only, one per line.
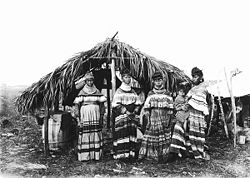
(157,136)
(125,134)
(89,99)
(125,98)
(90,141)
(178,139)
(197,99)
(196,134)
(125,137)
(158,101)
(192,139)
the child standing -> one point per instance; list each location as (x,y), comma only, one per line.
(181,107)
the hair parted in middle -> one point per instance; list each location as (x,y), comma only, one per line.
(157,75)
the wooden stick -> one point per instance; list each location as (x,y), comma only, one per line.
(114,36)
(113,80)
(223,115)
(108,98)
(46,132)
(229,86)
(212,115)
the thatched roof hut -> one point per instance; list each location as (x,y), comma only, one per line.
(60,84)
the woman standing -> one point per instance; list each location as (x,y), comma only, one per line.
(126,107)
(158,109)
(90,101)
(191,140)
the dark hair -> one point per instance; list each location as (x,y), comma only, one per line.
(125,71)
(157,75)
(182,87)
(196,71)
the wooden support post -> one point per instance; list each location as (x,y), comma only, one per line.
(46,132)
(108,98)
(223,115)
(113,75)
(113,79)
(229,86)
(234,114)
(212,116)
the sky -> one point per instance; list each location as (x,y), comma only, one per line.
(38,36)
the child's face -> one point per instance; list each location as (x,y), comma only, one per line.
(158,82)
(181,93)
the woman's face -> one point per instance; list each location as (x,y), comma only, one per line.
(90,82)
(126,78)
(196,79)
(158,82)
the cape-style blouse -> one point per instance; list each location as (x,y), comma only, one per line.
(197,100)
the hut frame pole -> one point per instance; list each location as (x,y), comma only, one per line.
(113,75)
(229,86)
(112,55)
(222,114)
(212,115)
(108,98)
(46,132)
(113,79)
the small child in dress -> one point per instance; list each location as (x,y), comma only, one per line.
(180,105)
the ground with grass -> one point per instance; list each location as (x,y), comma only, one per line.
(21,155)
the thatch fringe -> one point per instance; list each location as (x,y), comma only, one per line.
(59,83)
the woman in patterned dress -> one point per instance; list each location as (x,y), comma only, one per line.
(191,141)
(90,101)
(158,109)
(125,111)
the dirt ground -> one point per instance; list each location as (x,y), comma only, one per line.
(21,155)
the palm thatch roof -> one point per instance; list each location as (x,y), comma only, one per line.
(59,84)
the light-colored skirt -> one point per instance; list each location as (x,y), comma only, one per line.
(90,140)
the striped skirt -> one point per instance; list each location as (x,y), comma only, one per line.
(90,140)
(156,140)
(193,138)
(125,136)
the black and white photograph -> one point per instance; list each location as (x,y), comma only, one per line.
(115,88)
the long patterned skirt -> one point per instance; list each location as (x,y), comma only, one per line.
(125,136)
(90,141)
(193,138)
(156,139)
